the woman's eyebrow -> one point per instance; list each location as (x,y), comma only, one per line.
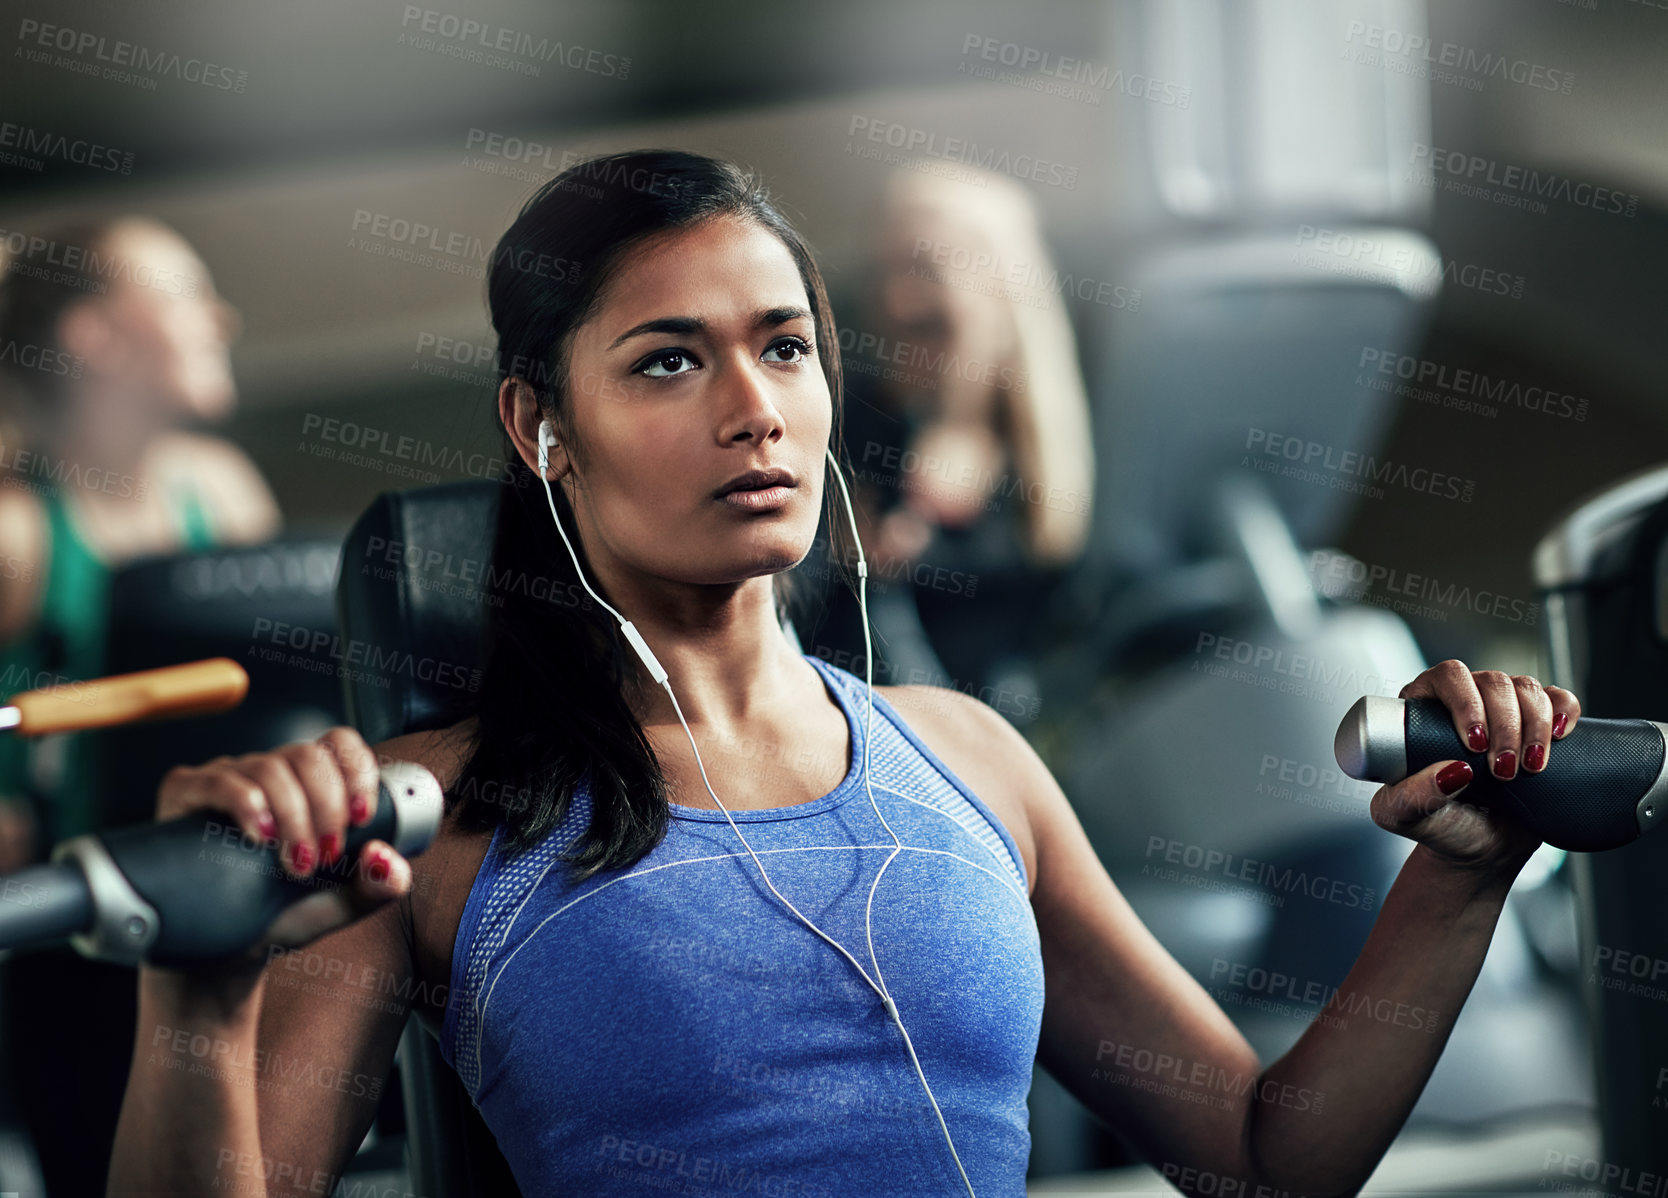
(763,318)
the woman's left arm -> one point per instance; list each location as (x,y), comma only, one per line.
(1142,1043)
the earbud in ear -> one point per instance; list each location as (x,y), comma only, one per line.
(547,438)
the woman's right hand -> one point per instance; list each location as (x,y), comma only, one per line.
(303,797)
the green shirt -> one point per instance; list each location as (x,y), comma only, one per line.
(66,644)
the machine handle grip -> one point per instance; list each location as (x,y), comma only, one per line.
(1604,784)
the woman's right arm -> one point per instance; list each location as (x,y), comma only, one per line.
(263,1077)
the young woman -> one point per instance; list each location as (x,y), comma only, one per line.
(628,1001)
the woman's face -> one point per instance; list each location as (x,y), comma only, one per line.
(699,365)
(165,334)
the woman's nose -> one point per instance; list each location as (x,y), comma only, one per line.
(753,412)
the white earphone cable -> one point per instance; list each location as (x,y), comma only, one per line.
(877,983)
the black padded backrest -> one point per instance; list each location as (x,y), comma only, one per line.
(411,605)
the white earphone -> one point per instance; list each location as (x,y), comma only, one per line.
(547,440)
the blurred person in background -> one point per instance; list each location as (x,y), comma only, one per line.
(112,340)
(968,432)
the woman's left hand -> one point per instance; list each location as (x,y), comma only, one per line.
(1517,720)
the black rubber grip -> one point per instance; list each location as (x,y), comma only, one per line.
(214,891)
(1587,798)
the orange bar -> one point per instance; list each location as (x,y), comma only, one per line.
(194,688)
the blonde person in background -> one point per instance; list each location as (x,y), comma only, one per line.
(111,337)
(969,434)
(112,341)
(998,394)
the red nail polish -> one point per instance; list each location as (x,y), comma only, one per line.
(302,855)
(330,848)
(1452,777)
(377,870)
(267,825)
(1534,757)
(1558,722)
(359,809)
(1476,737)
(1505,765)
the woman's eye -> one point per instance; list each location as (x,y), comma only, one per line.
(794,345)
(672,359)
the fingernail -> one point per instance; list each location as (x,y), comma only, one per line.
(1476,737)
(302,855)
(1534,757)
(359,809)
(330,848)
(1453,777)
(1558,722)
(1505,765)
(267,825)
(377,870)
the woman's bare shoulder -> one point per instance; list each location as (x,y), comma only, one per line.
(244,510)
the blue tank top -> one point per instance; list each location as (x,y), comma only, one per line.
(674,1026)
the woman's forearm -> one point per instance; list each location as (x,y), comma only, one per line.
(1373,1045)
(189,1123)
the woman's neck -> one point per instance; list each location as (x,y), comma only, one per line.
(723,649)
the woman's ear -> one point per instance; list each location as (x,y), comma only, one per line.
(519,410)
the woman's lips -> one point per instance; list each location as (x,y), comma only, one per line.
(760,500)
